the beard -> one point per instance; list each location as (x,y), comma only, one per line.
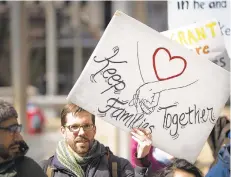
(13,151)
(4,152)
(81,145)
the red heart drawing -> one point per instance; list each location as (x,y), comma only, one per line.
(170,58)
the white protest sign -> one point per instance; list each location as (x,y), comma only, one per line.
(136,77)
(204,38)
(186,12)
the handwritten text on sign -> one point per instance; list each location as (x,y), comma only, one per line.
(183,12)
(132,82)
(193,36)
(116,108)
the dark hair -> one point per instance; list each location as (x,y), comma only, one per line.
(74,109)
(178,164)
(7,111)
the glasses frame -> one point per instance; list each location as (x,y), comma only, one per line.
(80,126)
(18,129)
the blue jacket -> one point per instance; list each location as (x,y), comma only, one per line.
(222,167)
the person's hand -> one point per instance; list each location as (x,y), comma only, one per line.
(144,140)
(146,99)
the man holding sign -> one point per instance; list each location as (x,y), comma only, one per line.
(79,154)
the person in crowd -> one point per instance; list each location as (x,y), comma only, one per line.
(179,168)
(79,154)
(221,166)
(158,158)
(219,135)
(13,162)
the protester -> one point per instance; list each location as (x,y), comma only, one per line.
(222,165)
(13,162)
(179,168)
(79,154)
(158,158)
(218,135)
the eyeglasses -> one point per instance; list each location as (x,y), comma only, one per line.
(17,128)
(76,128)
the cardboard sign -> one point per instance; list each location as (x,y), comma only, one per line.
(136,77)
(182,13)
(205,38)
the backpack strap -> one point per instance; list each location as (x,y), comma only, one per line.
(114,164)
(114,169)
(47,168)
(50,171)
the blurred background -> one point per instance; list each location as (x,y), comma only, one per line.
(43,48)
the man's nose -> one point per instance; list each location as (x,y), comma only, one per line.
(81,131)
(18,136)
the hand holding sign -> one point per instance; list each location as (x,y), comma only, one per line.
(144,140)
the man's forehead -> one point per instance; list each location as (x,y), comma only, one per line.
(8,122)
(81,116)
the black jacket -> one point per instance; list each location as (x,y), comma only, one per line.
(21,167)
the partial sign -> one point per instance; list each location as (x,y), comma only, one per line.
(205,38)
(182,13)
(136,77)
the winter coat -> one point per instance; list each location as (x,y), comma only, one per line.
(104,168)
(21,167)
(222,167)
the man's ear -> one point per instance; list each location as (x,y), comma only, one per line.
(63,130)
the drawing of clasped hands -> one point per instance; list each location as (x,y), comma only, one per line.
(146,99)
